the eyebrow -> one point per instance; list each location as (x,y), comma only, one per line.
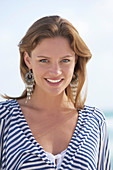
(50,57)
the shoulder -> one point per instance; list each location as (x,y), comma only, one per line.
(94,113)
(6,108)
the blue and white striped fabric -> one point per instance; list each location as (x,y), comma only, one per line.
(87,150)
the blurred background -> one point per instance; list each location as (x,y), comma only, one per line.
(93,20)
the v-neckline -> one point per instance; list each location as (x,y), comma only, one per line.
(41,150)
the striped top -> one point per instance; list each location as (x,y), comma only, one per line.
(87,150)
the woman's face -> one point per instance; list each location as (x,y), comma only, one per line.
(52,63)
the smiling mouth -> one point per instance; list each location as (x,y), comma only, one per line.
(54,81)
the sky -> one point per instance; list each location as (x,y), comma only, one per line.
(92,19)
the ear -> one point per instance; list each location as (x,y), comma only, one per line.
(27,60)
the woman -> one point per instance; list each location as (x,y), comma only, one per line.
(48,126)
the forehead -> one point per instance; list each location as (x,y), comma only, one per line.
(53,46)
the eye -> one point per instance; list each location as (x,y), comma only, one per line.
(65,60)
(43,61)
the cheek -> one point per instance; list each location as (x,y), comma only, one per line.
(69,74)
(38,72)
(70,69)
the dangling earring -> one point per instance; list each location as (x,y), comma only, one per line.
(29,78)
(74,85)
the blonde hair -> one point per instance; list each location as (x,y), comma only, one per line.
(50,27)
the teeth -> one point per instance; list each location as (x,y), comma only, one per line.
(54,81)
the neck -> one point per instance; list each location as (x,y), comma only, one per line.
(48,102)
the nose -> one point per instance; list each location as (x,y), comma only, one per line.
(55,69)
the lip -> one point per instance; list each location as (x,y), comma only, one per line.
(54,78)
(54,83)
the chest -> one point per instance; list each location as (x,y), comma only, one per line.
(52,132)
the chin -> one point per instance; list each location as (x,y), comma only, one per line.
(56,93)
